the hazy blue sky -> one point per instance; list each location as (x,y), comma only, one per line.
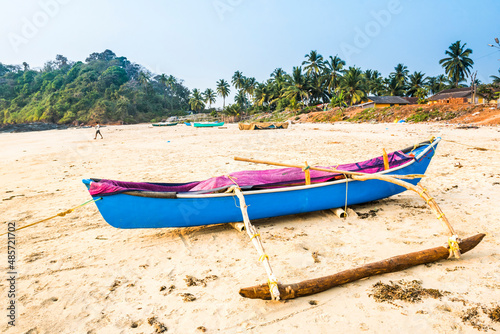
(207,40)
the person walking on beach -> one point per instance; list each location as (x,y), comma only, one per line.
(98,131)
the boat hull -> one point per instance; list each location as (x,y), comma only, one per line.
(131,211)
(207,125)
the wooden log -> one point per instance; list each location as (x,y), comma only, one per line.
(396,263)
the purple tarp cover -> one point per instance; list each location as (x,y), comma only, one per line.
(260,179)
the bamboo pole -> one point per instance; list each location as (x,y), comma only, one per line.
(453,240)
(339,212)
(255,238)
(333,170)
(307,173)
(386,159)
(393,264)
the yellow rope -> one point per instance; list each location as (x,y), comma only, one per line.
(254,236)
(440,216)
(430,199)
(272,284)
(60,214)
(453,244)
(263,257)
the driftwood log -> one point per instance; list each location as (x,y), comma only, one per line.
(396,263)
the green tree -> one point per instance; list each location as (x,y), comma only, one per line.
(313,64)
(458,64)
(353,85)
(238,80)
(334,69)
(196,101)
(223,90)
(209,96)
(298,88)
(416,81)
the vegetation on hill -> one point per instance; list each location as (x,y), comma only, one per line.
(104,88)
(109,88)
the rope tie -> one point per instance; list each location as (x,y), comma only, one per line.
(60,214)
(453,245)
(254,236)
(430,199)
(263,257)
(306,168)
(440,216)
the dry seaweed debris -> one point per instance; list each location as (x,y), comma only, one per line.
(193,281)
(408,291)
(494,313)
(472,316)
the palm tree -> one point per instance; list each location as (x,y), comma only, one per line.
(495,78)
(437,84)
(374,82)
(238,80)
(223,90)
(415,82)
(401,73)
(458,65)
(196,101)
(143,79)
(394,87)
(209,96)
(249,86)
(314,63)
(353,85)
(241,99)
(261,94)
(298,87)
(335,68)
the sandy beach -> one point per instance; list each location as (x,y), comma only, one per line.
(77,274)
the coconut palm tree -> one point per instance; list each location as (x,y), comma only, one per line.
(238,80)
(223,90)
(196,101)
(394,87)
(437,84)
(249,86)
(143,79)
(334,69)
(298,87)
(353,85)
(261,94)
(209,96)
(313,63)
(458,65)
(401,73)
(415,82)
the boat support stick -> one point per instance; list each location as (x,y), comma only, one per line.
(255,238)
(396,179)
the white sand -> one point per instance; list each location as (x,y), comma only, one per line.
(77,274)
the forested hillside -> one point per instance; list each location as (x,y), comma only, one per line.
(104,88)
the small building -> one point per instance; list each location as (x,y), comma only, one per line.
(456,96)
(384,101)
(411,99)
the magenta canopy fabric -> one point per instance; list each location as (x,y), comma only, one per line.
(259,179)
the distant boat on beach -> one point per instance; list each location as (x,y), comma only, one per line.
(206,125)
(164,124)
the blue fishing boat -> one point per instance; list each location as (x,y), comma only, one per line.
(268,193)
(187,123)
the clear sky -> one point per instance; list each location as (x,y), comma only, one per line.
(202,41)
